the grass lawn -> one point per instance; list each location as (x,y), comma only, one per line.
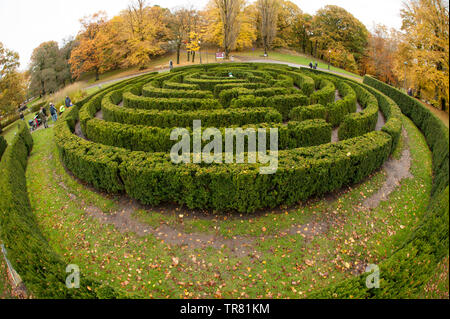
(294,58)
(284,259)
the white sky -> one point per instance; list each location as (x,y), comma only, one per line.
(24,24)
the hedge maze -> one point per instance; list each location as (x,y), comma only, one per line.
(118,140)
(124,135)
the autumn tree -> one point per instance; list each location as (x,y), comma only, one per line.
(12,83)
(333,25)
(425,49)
(148,32)
(49,68)
(380,54)
(302,29)
(287,19)
(231,24)
(229,11)
(268,11)
(180,24)
(88,55)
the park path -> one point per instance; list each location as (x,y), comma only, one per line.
(243,59)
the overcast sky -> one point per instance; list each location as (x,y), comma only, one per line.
(24,24)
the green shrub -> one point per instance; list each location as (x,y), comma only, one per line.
(155,139)
(211,118)
(309,112)
(285,103)
(248,101)
(252,86)
(41,269)
(152,178)
(3,145)
(340,108)
(148,103)
(356,124)
(326,93)
(436,133)
(150,91)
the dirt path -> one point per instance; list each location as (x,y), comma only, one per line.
(396,171)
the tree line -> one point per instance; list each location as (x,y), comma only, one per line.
(416,56)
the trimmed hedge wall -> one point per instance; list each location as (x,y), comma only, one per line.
(326,92)
(303,113)
(152,178)
(340,108)
(285,103)
(3,145)
(213,118)
(356,124)
(155,139)
(406,272)
(131,100)
(42,270)
(436,133)
(150,91)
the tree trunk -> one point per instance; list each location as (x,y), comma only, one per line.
(193,57)
(188,56)
(97,75)
(178,53)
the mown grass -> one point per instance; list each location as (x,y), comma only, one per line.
(297,59)
(281,265)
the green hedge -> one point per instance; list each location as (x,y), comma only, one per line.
(226,96)
(252,86)
(150,91)
(3,145)
(148,103)
(209,84)
(210,118)
(436,133)
(326,93)
(340,108)
(302,113)
(155,139)
(152,178)
(407,271)
(41,269)
(285,103)
(356,124)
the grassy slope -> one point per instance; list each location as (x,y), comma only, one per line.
(282,267)
(294,58)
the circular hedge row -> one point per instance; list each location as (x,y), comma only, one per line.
(127,128)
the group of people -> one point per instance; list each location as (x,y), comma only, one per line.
(313,65)
(42,114)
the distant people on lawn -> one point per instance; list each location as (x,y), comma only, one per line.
(43,116)
(68,102)
(310,65)
(171,64)
(53,112)
(410,92)
(22,117)
(315,66)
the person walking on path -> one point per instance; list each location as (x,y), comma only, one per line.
(68,102)
(43,116)
(22,117)
(171,64)
(62,108)
(53,112)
